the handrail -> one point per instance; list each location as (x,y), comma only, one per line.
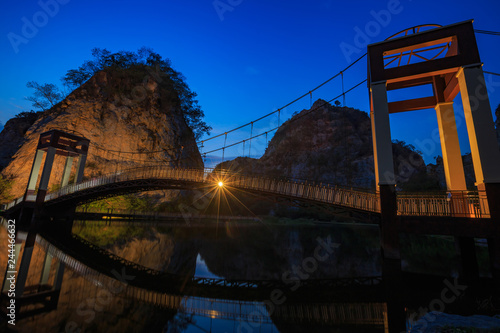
(333,195)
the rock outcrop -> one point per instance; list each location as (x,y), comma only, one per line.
(126,114)
(12,135)
(328,145)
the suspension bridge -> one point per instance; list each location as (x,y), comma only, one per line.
(447,58)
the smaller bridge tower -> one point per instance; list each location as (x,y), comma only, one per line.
(54,143)
(50,144)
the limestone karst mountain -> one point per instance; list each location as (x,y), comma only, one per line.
(125,113)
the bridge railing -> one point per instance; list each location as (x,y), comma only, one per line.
(357,199)
(460,204)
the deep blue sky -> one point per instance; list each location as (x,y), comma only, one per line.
(259,57)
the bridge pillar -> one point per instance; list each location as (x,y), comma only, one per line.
(381,135)
(450,147)
(17,250)
(35,169)
(44,180)
(384,173)
(386,189)
(485,154)
(455,184)
(67,171)
(47,263)
(22,274)
(80,168)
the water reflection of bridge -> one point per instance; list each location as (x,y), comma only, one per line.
(79,250)
(162,294)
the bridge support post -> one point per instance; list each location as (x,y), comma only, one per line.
(386,188)
(17,250)
(67,171)
(455,184)
(44,180)
(469,268)
(485,154)
(47,263)
(452,157)
(24,266)
(384,172)
(80,168)
(381,135)
(35,169)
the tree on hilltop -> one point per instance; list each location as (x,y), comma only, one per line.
(160,69)
(45,96)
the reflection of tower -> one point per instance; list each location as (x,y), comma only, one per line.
(50,144)
(38,293)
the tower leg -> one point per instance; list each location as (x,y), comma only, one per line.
(67,171)
(389,225)
(17,250)
(47,263)
(469,268)
(35,169)
(80,168)
(485,154)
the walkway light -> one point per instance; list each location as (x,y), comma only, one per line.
(221,184)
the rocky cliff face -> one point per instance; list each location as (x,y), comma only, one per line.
(436,171)
(126,114)
(12,136)
(329,145)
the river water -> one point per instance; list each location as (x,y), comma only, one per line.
(237,277)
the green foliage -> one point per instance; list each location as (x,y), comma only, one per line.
(25,114)
(159,69)
(437,254)
(45,96)
(5,188)
(429,254)
(124,202)
(421,182)
(408,146)
(103,235)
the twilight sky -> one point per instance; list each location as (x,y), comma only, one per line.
(244,58)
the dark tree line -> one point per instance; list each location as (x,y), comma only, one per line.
(47,95)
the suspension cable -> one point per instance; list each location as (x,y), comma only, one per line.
(487,32)
(291,120)
(491,73)
(290,103)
